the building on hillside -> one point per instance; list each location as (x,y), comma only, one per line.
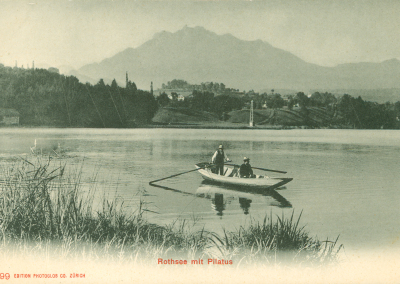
(9,116)
(181,93)
(178,98)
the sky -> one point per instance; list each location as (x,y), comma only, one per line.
(74,33)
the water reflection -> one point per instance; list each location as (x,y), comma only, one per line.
(222,196)
(218,203)
(245,204)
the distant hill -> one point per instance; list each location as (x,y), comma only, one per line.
(198,55)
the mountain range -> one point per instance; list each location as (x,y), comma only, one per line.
(199,55)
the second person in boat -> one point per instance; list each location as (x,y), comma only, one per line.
(245,170)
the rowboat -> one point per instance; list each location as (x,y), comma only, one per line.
(231,177)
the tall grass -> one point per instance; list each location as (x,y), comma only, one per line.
(279,241)
(42,205)
(39,202)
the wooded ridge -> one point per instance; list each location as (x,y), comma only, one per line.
(44,98)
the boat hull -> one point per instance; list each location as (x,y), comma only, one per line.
(232,179)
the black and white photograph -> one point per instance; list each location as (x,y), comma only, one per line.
(183,141)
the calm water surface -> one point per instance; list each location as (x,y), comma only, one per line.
(345,182)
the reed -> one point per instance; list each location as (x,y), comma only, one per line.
(44,208)
(41,203)
(278,241)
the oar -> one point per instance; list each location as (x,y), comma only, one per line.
(205,166)
(268,170)
(275,171)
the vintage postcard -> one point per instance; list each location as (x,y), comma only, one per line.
(199,141)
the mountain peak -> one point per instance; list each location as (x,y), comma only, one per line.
(196,28)
(184,31)
(197,55)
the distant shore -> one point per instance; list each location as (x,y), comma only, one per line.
(221,125)
(229,125)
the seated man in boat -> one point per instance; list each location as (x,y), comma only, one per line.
(245,170)
(218,159)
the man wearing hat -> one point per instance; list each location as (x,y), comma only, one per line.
(245,170)
(218,159)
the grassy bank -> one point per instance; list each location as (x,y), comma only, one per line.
(43,209)
(263,119)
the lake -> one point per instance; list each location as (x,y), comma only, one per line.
(345,182)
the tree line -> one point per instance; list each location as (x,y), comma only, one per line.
(346,111)
(213,87)
(351,112)
(48,98)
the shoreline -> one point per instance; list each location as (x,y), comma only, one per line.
(221,125)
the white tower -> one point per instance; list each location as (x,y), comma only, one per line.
(251,114)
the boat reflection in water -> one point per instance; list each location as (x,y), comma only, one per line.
(221,195)
(245,204)
(218,204)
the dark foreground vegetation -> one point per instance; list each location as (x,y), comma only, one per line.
(42,203)
(46,98)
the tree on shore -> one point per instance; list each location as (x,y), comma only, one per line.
(48,98)
(163,100)
(275,101)
(361,114)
